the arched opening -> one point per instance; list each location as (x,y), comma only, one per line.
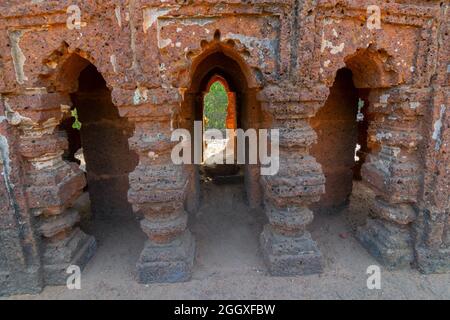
(219,114)
(341,125)
(221,197)
(347,145)
(243,112)
(98,142)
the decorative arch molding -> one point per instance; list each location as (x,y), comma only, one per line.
(217,78)
(372,67)
(62,68)
(404,38)
(232,49)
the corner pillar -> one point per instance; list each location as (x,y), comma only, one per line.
(52,184)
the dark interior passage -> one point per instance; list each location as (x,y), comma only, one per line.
(341,126)
(103,137)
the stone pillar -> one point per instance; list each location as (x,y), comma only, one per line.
(393,173)
(52,184)
(158,190)
(286,244)
(432,227)
(20,260)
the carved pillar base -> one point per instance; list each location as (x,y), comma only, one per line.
(433,261)
(287,246)
(77,248)
(394,174)
(289,256)
(388,242)
(167,262)
(432,237)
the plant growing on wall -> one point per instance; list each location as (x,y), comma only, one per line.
(76,123)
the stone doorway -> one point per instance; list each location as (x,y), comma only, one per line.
(342,147)
(243,112)
(98,141)
(226,195)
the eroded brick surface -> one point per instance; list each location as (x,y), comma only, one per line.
(280,58)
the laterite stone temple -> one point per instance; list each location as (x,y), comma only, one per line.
(340,79)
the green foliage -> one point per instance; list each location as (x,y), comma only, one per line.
(215,107)
(76,123)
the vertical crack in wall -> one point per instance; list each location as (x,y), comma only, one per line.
(14,119)
(295,39)
(6,162)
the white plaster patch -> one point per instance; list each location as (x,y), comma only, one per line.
(335,34)
(151,15)
(329,21)
(383,135)
(327,63)
(36,90)
(65,108)
(197,22)
(162,43)
(46,161)
(438,129)
(396,151)
(414,105)
(360,115)
(152,155)
(18,56)
(188,22)
(140,95)
(334,49)
(14,118)
(113,60)
(6,162)
(118,13)
(384,98)
(448,68)
(4,154)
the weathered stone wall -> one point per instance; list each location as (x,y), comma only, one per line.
(289,53)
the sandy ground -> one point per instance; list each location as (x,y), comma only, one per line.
(229,264)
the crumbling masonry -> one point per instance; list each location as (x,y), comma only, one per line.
(135,69)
